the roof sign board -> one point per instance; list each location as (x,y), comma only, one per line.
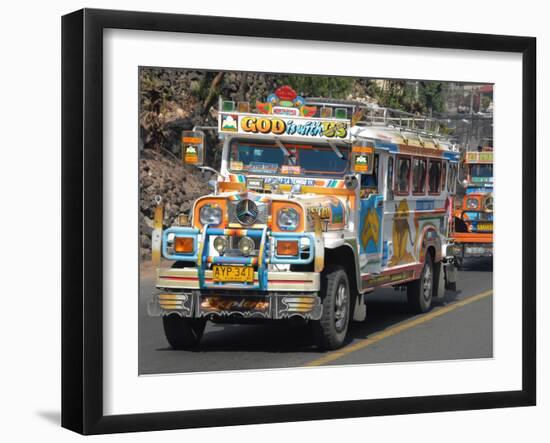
(479,157)
(284,125)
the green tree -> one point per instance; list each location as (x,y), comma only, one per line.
(320,86)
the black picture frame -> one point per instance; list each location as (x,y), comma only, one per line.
(82,218)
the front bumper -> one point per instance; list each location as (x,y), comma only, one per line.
(288,294)
(476,249)
(208,304)
(190,278)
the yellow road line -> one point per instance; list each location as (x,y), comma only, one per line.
(397,329)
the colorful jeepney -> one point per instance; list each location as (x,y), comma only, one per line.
(316,204)
(473,224)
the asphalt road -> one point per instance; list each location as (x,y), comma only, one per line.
(459,328)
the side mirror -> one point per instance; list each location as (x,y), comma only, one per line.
(193,147)
(351,182)
(213,185)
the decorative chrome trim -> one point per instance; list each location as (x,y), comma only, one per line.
(260,217)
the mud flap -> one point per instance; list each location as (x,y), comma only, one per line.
(360,310)
(439,280)
(450,276)
(153,308)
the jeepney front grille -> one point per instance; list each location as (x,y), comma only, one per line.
(247,214)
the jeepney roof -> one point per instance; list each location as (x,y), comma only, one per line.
(406,142)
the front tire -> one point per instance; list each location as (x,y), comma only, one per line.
(420,292)
(183,333)
(332,328)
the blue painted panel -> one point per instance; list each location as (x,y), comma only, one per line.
(370,224)
(424,205)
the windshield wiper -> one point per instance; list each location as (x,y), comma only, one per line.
(286,153)
(335,149)
(282,147)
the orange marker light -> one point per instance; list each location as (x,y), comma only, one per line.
(183,245)
(287,247)
(192,140)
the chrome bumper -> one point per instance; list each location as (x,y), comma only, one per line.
(208,304)
(477,250)
(188,278)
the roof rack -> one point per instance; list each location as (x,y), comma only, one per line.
(379,116)
(367,114)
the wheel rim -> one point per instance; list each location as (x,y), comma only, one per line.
(427,283)
(340,307)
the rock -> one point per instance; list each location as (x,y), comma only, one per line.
(145,241)
(178,186)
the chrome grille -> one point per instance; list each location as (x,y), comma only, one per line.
(247,212)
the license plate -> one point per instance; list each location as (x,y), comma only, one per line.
(233,273)
(484,226)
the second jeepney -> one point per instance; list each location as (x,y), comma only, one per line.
(317,203)
(473,222)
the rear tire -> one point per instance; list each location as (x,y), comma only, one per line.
(420,292)
(331,330)
(183,333)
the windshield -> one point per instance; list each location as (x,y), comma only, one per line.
(264,158)
(481,171)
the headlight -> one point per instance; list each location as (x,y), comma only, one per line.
(210,215)
(472,203)
(288,219)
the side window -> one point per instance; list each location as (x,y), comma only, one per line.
(451,185)
(371,180)
(444,176)
(434,177)
(419,176)
(403,175)
(389,180)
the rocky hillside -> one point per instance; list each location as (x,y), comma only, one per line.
(161,174)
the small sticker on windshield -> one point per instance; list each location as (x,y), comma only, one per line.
(236,166)
(263,168)
(291,169)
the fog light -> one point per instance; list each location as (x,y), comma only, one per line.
(246,245)
(287,247)
(183,245)
(220,244)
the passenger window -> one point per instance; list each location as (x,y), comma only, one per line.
(444,177)
(434,177)
(403,174)
(389,180)
(419,176)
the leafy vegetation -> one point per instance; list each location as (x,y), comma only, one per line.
(320,86)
